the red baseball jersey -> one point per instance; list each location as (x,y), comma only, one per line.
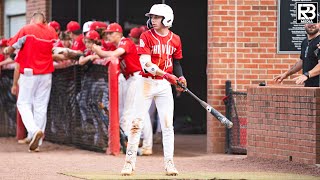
(37,41)
(129,61)
(2,57)
(36,54)
(41,31)
(58,43)
(78,44)
(163,49)
(108,46)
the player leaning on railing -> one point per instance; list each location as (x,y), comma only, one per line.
(129,60)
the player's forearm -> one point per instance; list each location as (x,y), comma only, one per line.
(158,72)
(315,71)
(295,68)
(16,74)
(177,69)
(7,61)
(59,57)
(104,54)
(148,66)
(83,60)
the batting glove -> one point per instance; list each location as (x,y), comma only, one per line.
(183,81)
(171,78)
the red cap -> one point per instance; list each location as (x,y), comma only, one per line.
(143,28)
(103,25)
(93,35)
(55,25)
(3,42)
(135,32)
(73,26)
(98,25)
(114,27)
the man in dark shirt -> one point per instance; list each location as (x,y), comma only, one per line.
(309,57)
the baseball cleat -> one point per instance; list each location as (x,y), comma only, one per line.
(127,169)
(146,152)
(34,144)
(36,150)
(24,141)
(170,168)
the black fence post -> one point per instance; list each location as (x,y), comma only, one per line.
(228,114)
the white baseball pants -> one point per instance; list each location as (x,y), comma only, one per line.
(161,92)
(122,82)
(32,103)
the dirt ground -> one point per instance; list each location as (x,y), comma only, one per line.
(190,156)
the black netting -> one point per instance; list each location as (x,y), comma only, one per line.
(77,110)
(238,133)
(7,105)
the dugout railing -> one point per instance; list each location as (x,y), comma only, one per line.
(82,111)
(236,111)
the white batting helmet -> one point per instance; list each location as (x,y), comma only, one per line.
(162,10)
(86,26)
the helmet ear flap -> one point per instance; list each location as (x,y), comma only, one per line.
(149,24)
(162,21)
(166,22)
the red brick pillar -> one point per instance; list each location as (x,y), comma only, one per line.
(38,5)
(242,47)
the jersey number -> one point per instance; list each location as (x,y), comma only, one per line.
(168,63)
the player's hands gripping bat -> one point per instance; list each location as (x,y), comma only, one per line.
(210,109)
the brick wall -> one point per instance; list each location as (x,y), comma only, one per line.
(38,5)
(1,18)
(284,122)
(246,57)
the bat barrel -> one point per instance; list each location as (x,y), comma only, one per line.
(210,109)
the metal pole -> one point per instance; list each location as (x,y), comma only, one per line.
(118,11)
(79,11)
(50,11)
(228,114)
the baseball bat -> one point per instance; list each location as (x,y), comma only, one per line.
(209,108)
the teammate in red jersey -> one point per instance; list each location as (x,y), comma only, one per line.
(129,60)
(35,67)
(134,35)
(74,29)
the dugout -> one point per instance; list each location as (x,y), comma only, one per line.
(190,23)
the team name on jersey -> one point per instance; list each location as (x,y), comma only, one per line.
(163,49)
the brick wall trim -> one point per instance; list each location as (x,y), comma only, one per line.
(284,123)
